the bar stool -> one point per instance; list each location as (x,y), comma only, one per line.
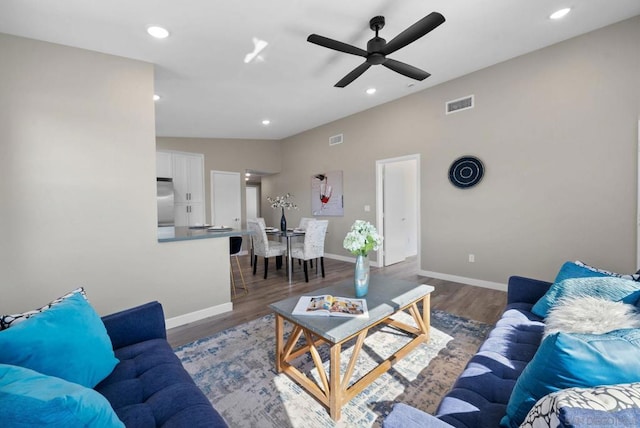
(235,245)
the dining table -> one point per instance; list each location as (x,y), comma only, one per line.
(288,235)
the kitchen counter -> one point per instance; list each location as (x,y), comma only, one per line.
(172,234)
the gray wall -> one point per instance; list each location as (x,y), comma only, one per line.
(77,156)
(557,131)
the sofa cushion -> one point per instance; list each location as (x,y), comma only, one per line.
(480,395)
(567,360)
(604,287)
(149,387)
(31,399)
(601,406)
(68,340)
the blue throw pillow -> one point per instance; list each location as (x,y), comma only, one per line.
(578,269)
(574,360)
(31,399)
(604,287)
(68,341)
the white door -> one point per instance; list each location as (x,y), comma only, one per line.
(226,202)
(395,230)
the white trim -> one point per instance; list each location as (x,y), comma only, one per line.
(198,315)
(464,280)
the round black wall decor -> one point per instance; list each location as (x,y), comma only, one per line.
(466,171)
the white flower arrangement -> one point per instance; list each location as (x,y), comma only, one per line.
(362,238)
(282,202)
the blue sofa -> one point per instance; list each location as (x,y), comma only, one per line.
(150,387)
(480,395)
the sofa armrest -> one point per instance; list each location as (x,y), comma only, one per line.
(144,322)
(405,416)
(526,290)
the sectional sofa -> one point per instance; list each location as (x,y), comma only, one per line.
(576,375)
(63,366)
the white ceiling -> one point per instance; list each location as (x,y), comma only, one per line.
(208,91)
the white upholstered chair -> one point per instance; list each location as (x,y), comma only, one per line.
(265,248)
(313,245)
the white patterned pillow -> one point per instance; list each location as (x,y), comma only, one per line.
(612,405)
(590,315)
(7,321)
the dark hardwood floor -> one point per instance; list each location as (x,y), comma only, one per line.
(471,302)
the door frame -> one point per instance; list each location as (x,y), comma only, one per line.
(380,201)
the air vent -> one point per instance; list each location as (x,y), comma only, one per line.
(336,139)
(460,104)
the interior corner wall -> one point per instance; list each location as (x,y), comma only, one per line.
(77,155)
(557,132)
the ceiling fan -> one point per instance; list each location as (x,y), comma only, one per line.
(378,48)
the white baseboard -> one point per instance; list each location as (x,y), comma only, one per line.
(464,280)
(198,315)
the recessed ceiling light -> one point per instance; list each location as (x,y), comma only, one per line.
(371,91)
(266,122)
(156,97)
(158,32)
(247,174)
(560,13)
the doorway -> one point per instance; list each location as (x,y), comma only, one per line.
(398,208)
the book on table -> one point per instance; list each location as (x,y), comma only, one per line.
(332,306)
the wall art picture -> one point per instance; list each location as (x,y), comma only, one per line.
(326,194)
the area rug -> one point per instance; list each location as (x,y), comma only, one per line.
(235,369)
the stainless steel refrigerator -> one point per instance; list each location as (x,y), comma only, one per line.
(166,215)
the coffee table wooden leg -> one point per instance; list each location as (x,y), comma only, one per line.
(279,342)
(335,390)
(426,313)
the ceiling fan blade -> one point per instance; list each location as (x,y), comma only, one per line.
(336,45)
(406,69)
(413,33)
(355,73)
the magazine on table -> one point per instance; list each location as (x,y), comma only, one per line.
(332,306)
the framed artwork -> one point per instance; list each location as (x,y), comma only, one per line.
(326,194)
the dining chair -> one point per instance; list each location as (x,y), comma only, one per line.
(313,245)
(235,245)
(264,224)
(302,226)
(265,248)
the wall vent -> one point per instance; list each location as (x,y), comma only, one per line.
(336,139)
(460,104)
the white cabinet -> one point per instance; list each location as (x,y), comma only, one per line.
(187,171)
(188,178)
